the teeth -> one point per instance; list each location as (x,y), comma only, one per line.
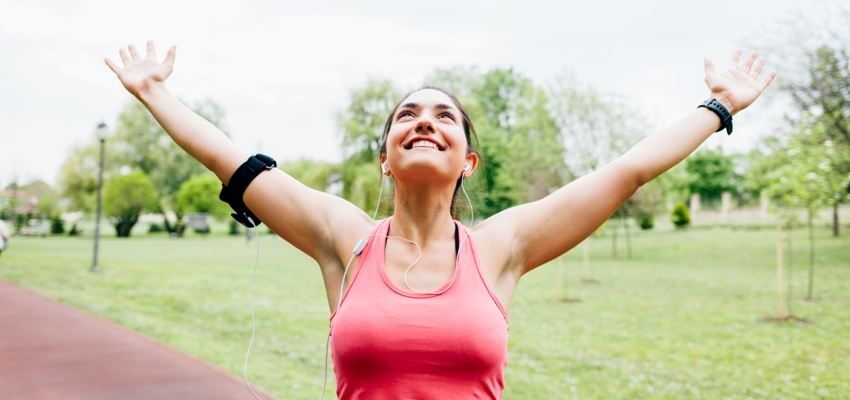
(424,143)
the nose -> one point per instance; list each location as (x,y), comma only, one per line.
(425,124)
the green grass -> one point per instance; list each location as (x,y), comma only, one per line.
(679,320)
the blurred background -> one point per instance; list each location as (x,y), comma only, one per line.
(555,89)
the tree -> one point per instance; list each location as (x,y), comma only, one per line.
(200,194)
(361,127)
(141,143)
(125,197)
(813,45)
(521,141)
(596,128)
(319,175)
(712,173)
(807,176)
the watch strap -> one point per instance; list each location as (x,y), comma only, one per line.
(721,111)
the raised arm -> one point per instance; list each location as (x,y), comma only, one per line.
(537,232)
(319,224)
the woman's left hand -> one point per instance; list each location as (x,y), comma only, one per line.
(737,87)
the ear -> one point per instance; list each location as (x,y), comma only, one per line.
(385,168)
(472,160)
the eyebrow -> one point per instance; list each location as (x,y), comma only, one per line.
(439,106)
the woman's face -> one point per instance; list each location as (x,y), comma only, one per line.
(426,138)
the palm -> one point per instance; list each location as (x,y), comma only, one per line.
(140,73)
(738,85)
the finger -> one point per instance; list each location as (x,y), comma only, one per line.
(151,52)
(111,65)
(756,69)
(125,58)
(709,67)
(169,57)
(736,58)
(767,79)
(133,52)
(748,62)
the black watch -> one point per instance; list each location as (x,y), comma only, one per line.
(721,111)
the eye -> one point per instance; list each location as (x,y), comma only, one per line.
(403,113)
(448,115)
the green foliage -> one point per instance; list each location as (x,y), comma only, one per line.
(646,220)
(681,216)
(74,231)
(318,175)
(57,225)
(48,205)
(712,173)
(125,197)
(199,194)
(233,228)
(361,124)
(137,142)
(155,228)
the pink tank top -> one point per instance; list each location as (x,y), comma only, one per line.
(391,343)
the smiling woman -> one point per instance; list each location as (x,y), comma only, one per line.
(419,307)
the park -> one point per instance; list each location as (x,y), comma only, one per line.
(662,256)
(686,317)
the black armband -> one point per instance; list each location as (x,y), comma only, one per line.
(235,188)
(721,111)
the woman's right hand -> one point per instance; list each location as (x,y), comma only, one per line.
(141,74)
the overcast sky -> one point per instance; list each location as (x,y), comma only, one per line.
(282,69)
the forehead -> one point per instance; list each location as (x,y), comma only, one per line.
(428,98)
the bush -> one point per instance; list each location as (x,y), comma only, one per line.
(57,225)
(75,231)
(681,216)
(234,227)
(646,220)
(155,228)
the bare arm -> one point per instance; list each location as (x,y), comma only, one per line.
(535,233)
(317,223)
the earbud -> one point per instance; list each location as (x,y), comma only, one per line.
(466,167)
(384,167)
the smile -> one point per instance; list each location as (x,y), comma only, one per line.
(423,144)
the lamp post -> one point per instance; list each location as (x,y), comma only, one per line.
(101,135)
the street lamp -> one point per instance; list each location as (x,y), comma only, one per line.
(101,135)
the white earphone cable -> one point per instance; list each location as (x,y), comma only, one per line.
(251,307)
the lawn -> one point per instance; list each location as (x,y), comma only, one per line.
(681,319)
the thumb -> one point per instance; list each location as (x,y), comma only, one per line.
(709,67)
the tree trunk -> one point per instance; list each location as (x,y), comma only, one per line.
(628,238)
(810,294)
(125,224)
(783,314)
(835,219)
(615,225)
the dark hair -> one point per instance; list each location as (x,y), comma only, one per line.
(468,130)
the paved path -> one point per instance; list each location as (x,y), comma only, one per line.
(52,351)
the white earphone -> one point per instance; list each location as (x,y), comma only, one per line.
(466,167)
(384,167)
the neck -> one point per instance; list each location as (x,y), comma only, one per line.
(422,214)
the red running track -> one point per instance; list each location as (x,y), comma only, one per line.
(51,351)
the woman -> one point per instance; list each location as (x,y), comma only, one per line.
(425,314)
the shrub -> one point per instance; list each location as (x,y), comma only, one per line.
(234,227)
(155,228)
(681,216)
(646,220)
(57,225)
(75,231)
